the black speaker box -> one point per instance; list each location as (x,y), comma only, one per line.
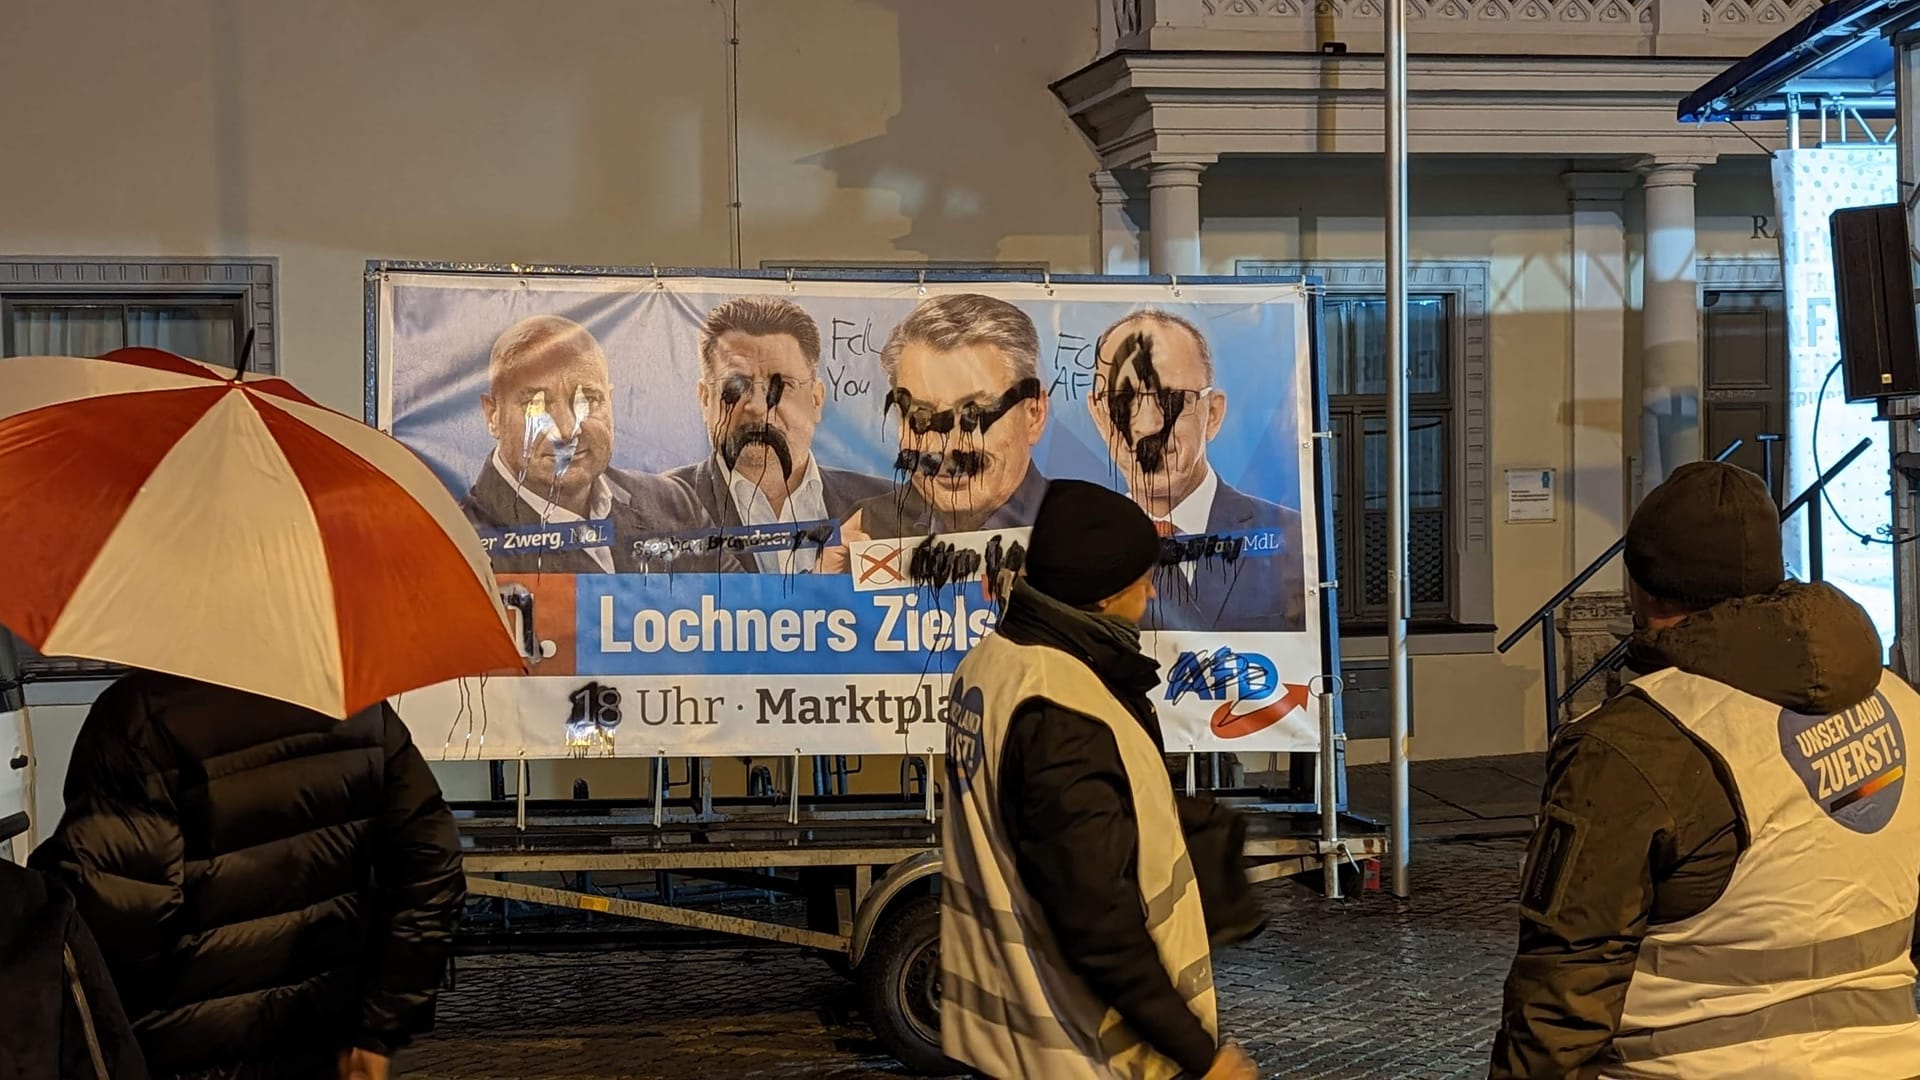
(1873,299)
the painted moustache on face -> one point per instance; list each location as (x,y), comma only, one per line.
(733,391)
(737,441)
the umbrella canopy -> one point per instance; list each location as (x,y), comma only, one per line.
(164,514)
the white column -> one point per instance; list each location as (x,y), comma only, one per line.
(1173,228)
(1670,322)
(1117,244)
(1597,462)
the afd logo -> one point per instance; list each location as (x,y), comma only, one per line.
(1245,684)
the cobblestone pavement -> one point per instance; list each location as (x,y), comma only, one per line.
(1362,989)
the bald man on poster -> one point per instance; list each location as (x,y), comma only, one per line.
(1157,406)
(548,408)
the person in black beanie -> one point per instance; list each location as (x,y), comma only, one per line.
(1068,894)
(1723,876)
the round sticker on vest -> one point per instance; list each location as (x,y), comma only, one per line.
(1853,763)
(965,748)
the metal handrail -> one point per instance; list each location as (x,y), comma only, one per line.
(1815,569)
(1543,618)
(1545,611)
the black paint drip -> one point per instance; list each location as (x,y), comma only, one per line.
(936,563)
(735,388)
(922,418)
(1136,353)
(967,463)
(1016,557)
(1150,452)
(1175,550)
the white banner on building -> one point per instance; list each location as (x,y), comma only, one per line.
(1809,185)
(613,439)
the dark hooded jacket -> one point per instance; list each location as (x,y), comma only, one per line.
(269,885)
(1663,832)
(61,1019)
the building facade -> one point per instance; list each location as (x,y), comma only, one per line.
(1596,287)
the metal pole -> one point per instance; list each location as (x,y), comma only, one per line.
(1816,543)
(1902,436)
(659,788)
(1767,453)
(1550,672)
(1329,817)
(1793,121)
(1401,834)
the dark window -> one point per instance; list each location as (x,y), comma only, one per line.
(208,328)
(1354,342)
(193,308)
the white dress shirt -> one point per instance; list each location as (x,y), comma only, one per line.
(601,505)
(807,501)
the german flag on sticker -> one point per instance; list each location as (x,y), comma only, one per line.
(1878,783)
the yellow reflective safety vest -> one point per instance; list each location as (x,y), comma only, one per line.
(1801,967)
(1010,1006)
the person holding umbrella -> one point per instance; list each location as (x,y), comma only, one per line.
(260,851)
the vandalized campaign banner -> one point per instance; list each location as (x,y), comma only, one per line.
(742,515)
(1809,185)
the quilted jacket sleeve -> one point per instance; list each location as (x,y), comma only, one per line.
(422,888)
(118,847)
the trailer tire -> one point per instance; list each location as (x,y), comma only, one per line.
(900,987)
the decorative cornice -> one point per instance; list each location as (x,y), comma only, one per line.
(1673,170)
(1748,272)
(1138,105)
(1107,187)
(1180,171)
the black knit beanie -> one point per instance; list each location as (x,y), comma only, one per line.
(1089,542)
(1709,533)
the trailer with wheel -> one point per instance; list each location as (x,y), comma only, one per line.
(612,435)
(854,879)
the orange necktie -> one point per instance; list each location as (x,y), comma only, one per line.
(1165,528)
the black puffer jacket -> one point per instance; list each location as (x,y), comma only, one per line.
(62,1019)
(268,884)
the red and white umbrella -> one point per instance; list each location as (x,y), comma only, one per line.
(164,514)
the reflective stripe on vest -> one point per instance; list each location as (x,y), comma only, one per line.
(1810,936)
(1828,1011)
(1011,1005)
(1726,966)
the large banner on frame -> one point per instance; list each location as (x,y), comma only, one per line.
(748,516)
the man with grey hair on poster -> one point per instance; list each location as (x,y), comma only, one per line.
(963,373)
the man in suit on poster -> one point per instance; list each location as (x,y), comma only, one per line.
(963,371)
(762,399)
(547,408)
(1156,406)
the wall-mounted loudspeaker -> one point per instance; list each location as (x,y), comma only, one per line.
(1873,299)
